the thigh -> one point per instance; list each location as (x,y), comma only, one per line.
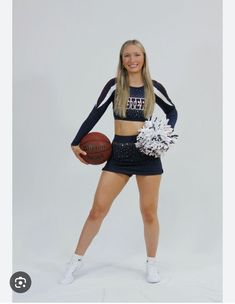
(109,186)
(148,186)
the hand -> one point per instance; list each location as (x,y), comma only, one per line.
(77,151)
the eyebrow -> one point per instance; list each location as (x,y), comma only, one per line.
(132,53)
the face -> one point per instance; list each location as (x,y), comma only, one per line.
(133,58)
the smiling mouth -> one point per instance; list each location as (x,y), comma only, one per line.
(133,66)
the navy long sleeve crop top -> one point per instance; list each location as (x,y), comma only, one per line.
(135,105)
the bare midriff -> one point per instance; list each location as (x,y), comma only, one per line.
(127,127)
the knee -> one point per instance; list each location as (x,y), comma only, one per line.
(149,215)
(97,212)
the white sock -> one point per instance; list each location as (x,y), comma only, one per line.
(151,259)
(74,263)
(75,258)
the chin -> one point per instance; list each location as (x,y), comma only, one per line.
(134,71)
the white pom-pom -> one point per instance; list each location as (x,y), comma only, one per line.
(155,137)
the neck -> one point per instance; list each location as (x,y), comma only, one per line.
(135,79)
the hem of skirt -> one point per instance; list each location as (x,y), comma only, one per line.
(130,174)
(150,173)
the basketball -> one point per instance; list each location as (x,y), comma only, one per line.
(97,146)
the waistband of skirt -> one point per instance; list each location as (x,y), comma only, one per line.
(125,139)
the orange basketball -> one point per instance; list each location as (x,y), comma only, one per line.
(97,146)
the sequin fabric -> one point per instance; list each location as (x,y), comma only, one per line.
(127,152)
(127,159)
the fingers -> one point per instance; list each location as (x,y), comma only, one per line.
(83,152)
(77,151)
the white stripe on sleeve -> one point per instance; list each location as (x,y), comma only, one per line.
(159,94)
(108,95)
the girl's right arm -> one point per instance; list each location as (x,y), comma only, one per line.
(105,98)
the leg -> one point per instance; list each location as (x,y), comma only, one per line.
(109,186)
(149,191)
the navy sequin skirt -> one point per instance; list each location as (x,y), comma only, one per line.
(127,159)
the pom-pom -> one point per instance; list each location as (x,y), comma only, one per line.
(155,137)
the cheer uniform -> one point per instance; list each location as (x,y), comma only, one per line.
(126,158)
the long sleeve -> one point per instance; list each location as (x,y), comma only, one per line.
(165,103)
(105,98)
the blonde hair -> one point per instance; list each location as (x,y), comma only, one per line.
(122,86)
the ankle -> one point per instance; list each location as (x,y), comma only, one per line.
(76,258)
(151,259)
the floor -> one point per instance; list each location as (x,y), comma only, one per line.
(123,281)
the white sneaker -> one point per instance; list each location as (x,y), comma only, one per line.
(71,268)
(152,275)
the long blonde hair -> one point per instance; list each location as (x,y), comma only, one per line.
(122,85)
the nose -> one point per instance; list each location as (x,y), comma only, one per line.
(132,59)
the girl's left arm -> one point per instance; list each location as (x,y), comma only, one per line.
(165,103)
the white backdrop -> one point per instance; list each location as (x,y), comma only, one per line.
(64,51)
